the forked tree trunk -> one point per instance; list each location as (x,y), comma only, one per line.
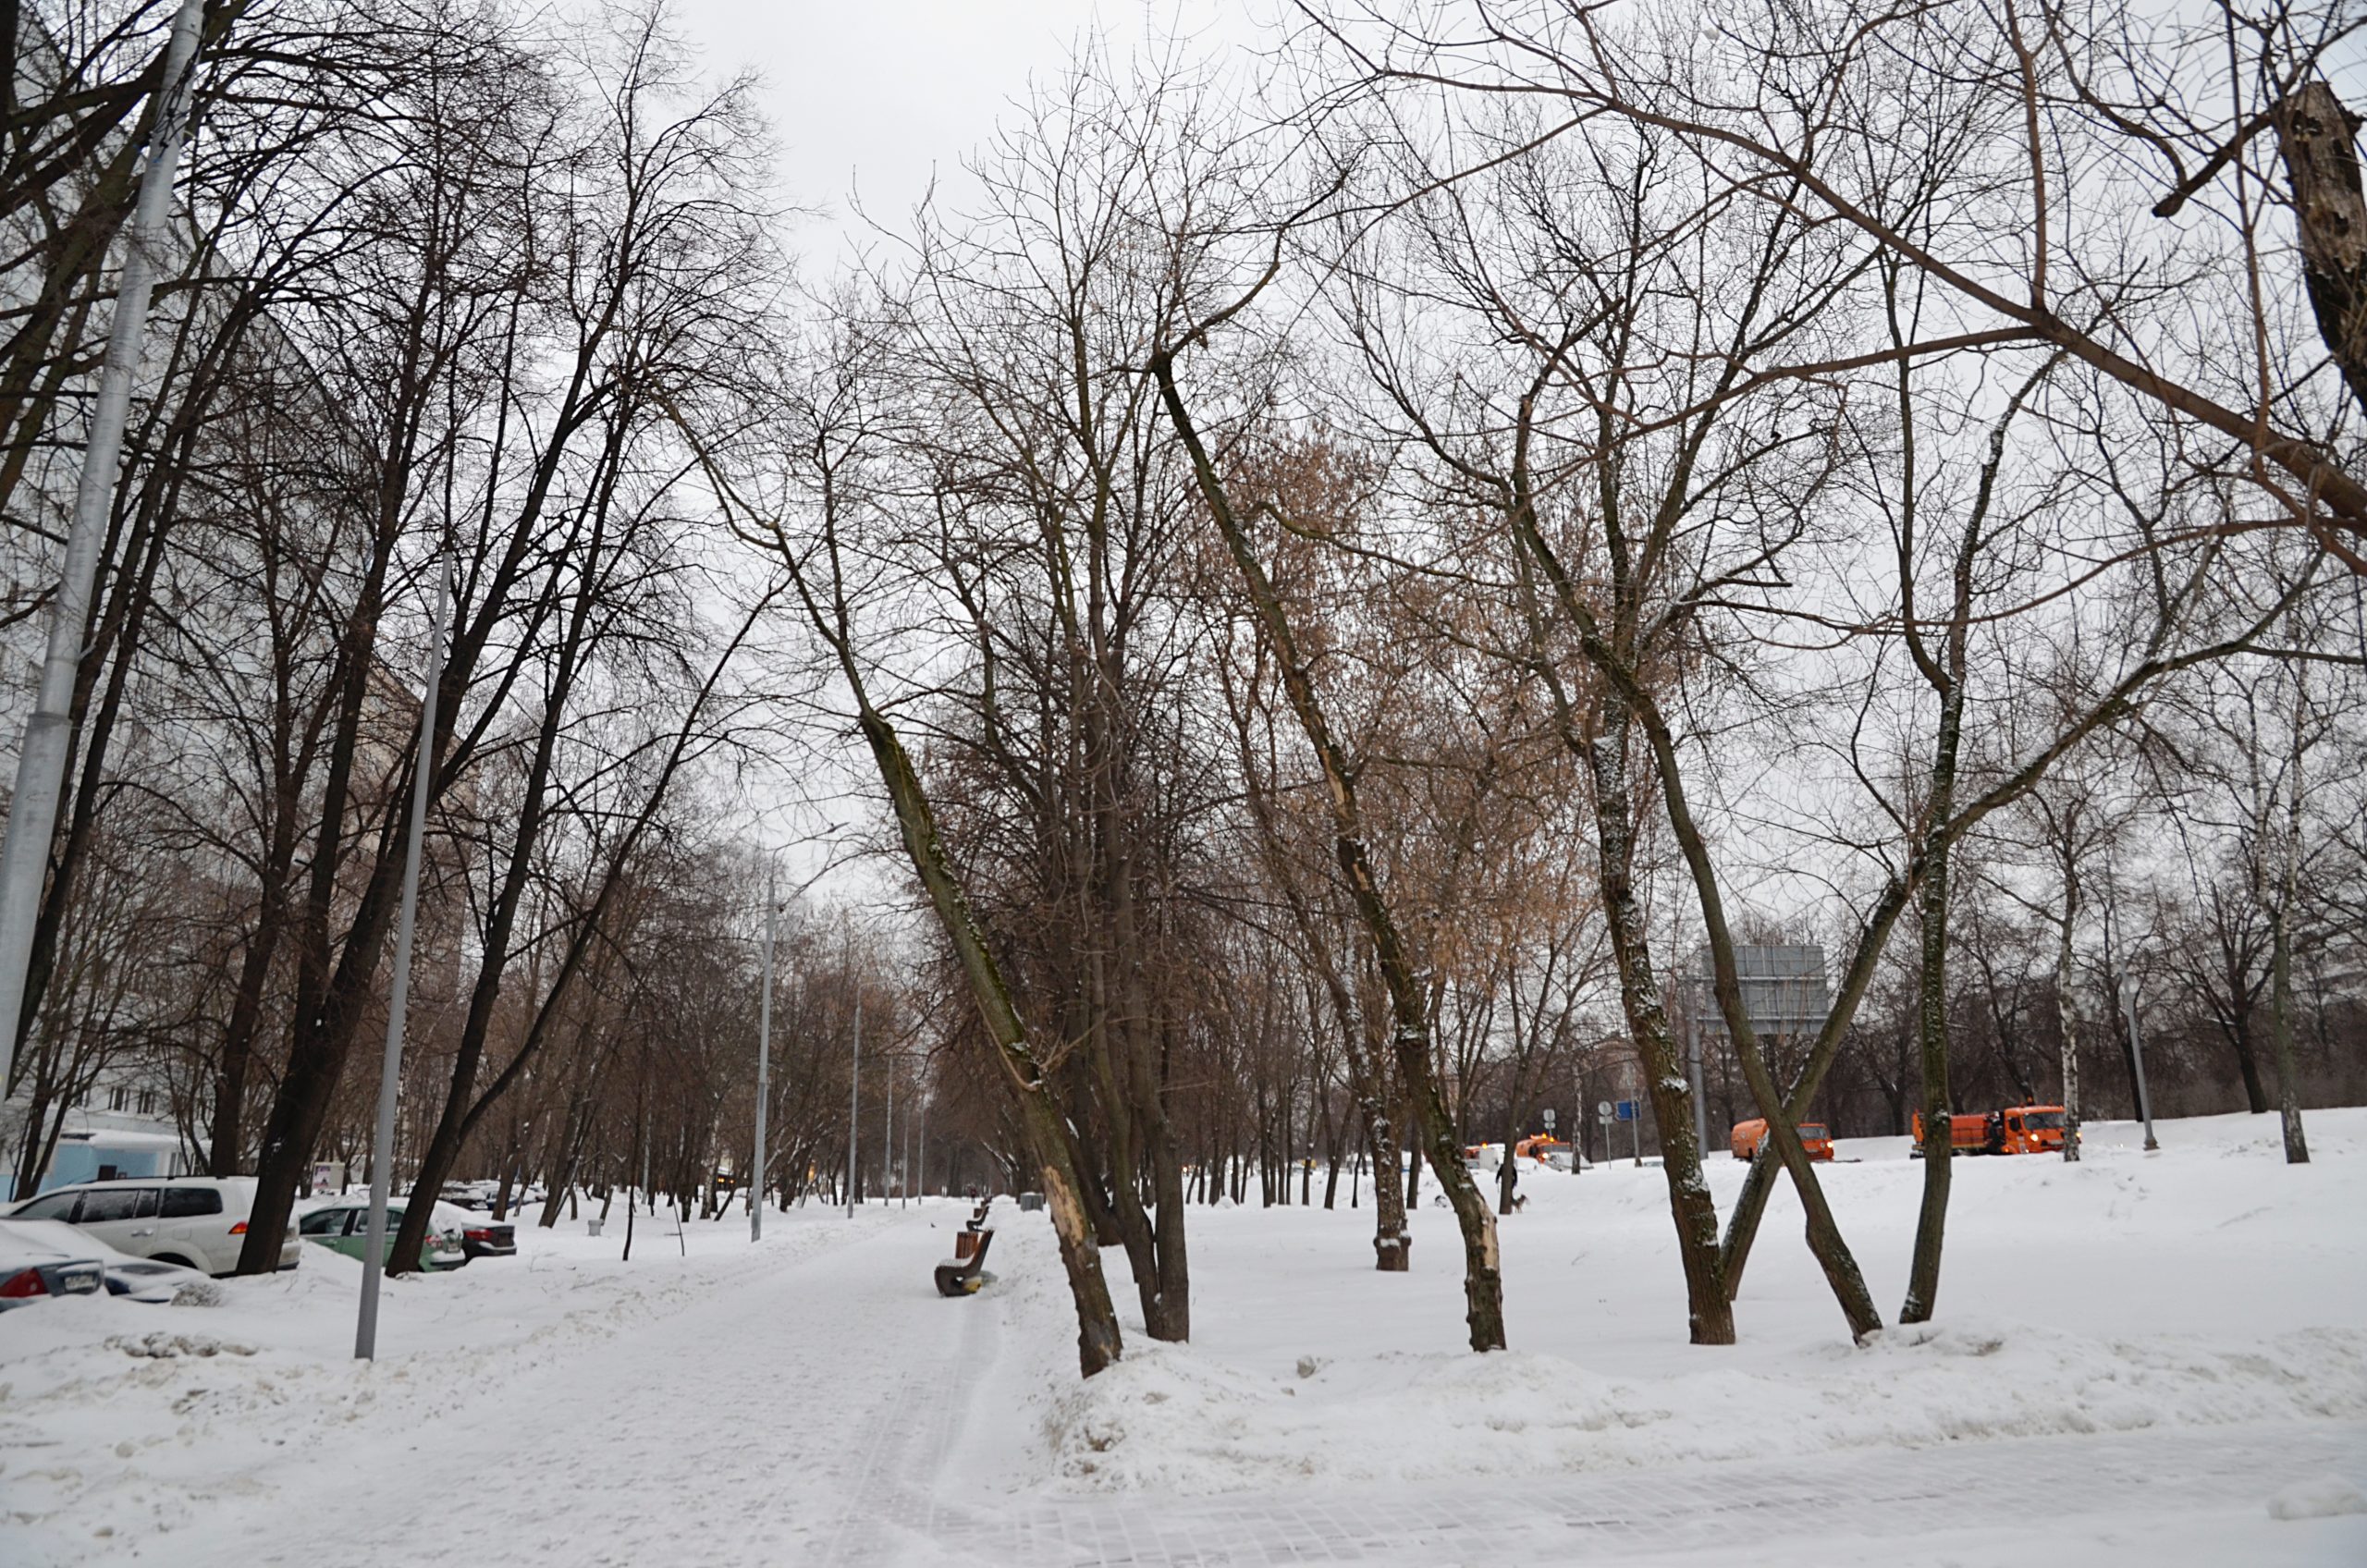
(1750,1204)
(1710,1314)
(1825,1239)
(1409,1017)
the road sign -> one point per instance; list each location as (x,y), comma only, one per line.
(1627,1110)
(1602,1110)
(1549,1118)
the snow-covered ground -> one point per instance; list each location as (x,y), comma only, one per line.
(2143,1359)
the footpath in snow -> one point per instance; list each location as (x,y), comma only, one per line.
(2141,1359)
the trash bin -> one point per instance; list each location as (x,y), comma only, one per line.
(1030,1202)
(592,1226)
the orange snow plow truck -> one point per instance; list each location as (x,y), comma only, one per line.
(1751,1135)
(2020,1129)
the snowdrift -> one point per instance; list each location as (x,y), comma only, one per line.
(1172,1419)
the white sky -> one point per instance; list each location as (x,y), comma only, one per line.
(877,96)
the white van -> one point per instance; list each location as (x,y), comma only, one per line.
(198,1221)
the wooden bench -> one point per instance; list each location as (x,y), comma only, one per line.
(964,1274)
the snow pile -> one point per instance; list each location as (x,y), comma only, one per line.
(2206,1287)
(2320,1497)
(1174,1419)
(136,1415)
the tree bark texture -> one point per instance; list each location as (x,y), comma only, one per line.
(2318,139)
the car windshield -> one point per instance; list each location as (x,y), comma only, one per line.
(1814,1131)
(2038,1120)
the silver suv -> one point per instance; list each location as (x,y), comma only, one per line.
(198,1221)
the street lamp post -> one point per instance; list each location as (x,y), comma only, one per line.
(763,1066)
(1700,1105)
(2136,1056)
(48,735)
(854,1103)
(2127,986)
(381,1142)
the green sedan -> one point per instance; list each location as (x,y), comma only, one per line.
(344,1227)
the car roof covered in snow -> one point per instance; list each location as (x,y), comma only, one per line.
(24,1242)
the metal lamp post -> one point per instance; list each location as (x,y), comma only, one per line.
(2127,986)
(382,1142)
(2136,1056)
(764,1065)
(49,732)
(854,1104)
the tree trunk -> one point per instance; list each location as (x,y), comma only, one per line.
(1759,1181)
(2280,1012)
(2067,1008)
(2317,138)
(1099,1343)
(1841,1273)
(2239,1036)
(1708,1313)
(1410,1032)
(1939,1138)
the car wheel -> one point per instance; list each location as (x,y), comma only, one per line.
(172,1257)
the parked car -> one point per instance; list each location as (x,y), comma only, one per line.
(42,1260)
(480,1235)
(141,1278)
(343,1225)
(196,1222)
(144,1278)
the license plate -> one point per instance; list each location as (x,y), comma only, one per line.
(81,1280)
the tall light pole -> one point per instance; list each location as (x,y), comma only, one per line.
(2126,982)
(49,734)
(763,1066)
(854,1103)
(2136,1056)
(1701,1098)
(888,1134)
(381,1142)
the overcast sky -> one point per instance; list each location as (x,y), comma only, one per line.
(876,95)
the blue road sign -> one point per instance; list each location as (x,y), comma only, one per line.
(1625,1110)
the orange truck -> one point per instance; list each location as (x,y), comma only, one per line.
(2018,1129)
(1751,1136)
